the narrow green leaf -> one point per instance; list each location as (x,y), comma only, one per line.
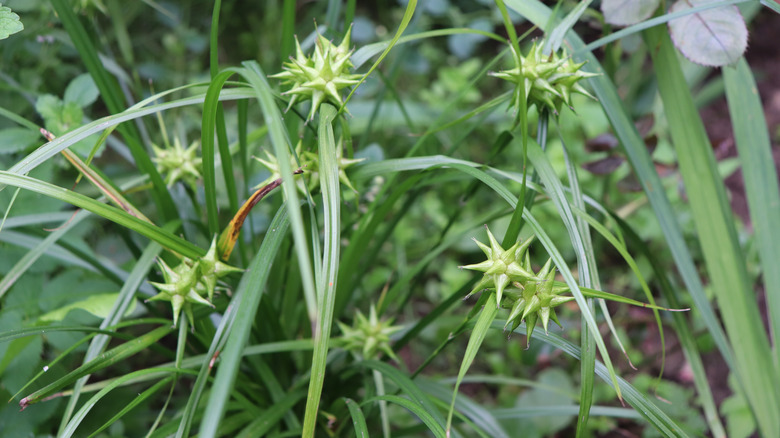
(587,340)
(408,387)
(10,335)
(358,419)
(771,4)
(682,330)
(715,225)
(219,116)
(126,298)
(104,360)
(642,164)
(281,143)
(421,413)
(84,410)
(288,30)
(554,186)
(481,416)
(143,108)
(326,289)
(208,127)
(262,424)
(245,301)
(112,96)
(646,408)
(486,317)
(755,153)
(43,247)
(559,410)
(166,239)
(137,401)
(408,14)
(198,360)
(362,55)
(555,38)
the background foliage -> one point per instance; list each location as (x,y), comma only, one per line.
(348,315)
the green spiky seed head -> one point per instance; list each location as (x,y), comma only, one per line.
(369,336)
(178,163)
(536,300)
(187,283)
(321,76)
(309,165)
(180,288)
(501,267)
(530,296)
(548,81)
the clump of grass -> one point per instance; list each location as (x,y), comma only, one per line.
(360,202)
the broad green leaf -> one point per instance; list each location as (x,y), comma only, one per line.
(48,106)
(628,12)
(63,116)
(98,305)
(715,37)
(9,22)
(82,91)
(13,140)
(739,419)
(557,385)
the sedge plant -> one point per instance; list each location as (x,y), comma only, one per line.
(303,267)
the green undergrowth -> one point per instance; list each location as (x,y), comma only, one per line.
(330,219)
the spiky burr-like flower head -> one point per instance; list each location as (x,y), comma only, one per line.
(369,336)
(310,165)
(536,299)
(548,80)
(178,163)
(501,267)
(343,163)
(321,76)
(531,296)
(186,284)
(180,288)
(271,163)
